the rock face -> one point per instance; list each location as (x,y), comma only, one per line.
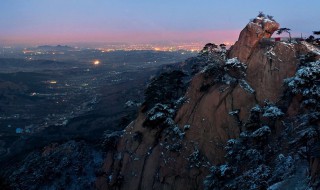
(258,28)
(179,155)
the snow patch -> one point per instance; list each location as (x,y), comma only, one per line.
(272,111)
(311,48)
(243,83)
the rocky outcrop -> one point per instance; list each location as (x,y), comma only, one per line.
(259,28)
(179,154)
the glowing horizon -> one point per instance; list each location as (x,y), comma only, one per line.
(218,36)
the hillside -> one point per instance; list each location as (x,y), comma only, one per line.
(248,120)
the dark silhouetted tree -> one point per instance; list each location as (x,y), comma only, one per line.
(310,39)
(223,46)
(208,48)
(270,17)
(316,32)
(287,30)
(315,41)
(208,51)
(164,88)
(261,14)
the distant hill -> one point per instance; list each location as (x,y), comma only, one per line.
(14,65)
(55,48)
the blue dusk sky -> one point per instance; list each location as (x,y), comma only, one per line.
(144,21)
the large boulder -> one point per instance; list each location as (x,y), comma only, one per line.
(258,28)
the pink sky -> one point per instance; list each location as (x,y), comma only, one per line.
(216,36)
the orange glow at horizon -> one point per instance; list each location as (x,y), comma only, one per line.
(215,36)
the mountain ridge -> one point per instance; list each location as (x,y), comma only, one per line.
(240,98)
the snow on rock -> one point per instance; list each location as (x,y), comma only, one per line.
(311,47)
(234,62)
(160,115)
(276,186)
(263,131)
(236,67)
(186,127)
(227,79)
(224,169)
(256,108)
(272,111)
(270,52)
(234,112)
(306,80)
(130,103)
(244,84)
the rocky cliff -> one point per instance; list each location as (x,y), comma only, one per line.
(257,29)
(231,128)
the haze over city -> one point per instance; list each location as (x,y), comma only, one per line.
(36,22)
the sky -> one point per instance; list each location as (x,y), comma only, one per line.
(145,21)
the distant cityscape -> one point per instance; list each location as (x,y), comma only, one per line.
(193,47)
(187,46)
(70,81)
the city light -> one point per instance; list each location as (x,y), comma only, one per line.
(96,62)
(53,82)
